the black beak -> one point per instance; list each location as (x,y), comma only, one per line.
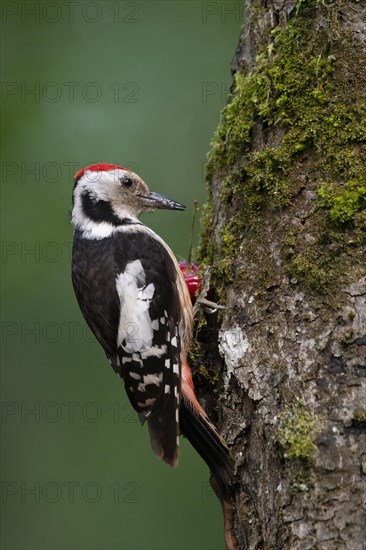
(154,200)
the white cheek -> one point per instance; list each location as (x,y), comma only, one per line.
(101,186)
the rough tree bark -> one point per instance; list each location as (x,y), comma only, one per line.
(284,228)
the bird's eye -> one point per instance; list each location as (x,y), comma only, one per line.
(126,181)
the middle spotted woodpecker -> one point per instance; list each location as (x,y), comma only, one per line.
(134,298)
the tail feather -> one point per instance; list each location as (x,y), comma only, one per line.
(164,433)
(204,437)
(165,423)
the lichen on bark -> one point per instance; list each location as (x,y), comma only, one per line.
(284,228)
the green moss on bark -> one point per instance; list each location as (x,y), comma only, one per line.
(346,201)
(296,122)
(360,416)
(297,431)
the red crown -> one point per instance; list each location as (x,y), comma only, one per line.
(103,167)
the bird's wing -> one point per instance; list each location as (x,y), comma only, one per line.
(93,277)
(148,339)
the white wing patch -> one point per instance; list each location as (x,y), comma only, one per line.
(155,351)
(135,331)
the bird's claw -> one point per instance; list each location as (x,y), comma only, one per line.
(208,306)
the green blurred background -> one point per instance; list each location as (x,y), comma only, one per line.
(135,83)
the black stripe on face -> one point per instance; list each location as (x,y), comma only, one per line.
(101,211)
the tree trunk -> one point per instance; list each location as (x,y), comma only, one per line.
(284,228)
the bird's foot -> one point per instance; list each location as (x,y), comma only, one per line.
(208,306)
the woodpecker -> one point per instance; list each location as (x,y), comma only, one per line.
(133,297)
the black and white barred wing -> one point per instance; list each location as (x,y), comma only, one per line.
(149,348)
